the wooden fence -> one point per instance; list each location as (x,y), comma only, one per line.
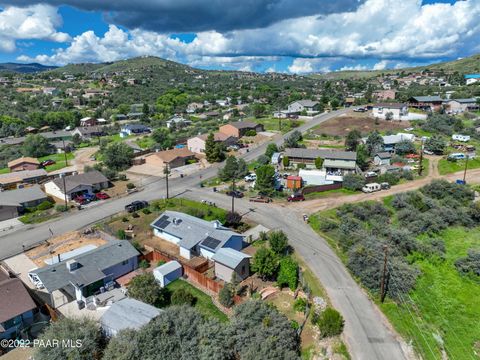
(320,188)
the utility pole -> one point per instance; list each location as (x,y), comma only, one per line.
(420,166)
(465,171)
(65,152)
(384,275)
(166,171)
(233,195)
(65,191)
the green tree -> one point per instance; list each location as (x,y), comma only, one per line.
(225,296)
(293,140)
(182,297)
(258,110)
(285,161)
(265,263)
(213,150)
(405,147)
(362,157)
(278,241)
(84,330)
(352,140)
(318,162)
(374,143)
(36,146)
(330,322)
(271,149)
(265,181)
(288,273)
(436,145)
(229,171)
(118,156)
(76,139)
(145,288)
(162,138)
(353,182)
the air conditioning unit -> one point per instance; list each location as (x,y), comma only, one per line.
(72,265)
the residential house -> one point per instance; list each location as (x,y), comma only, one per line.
(197,143)
(81,277)
(89,132)
(428,103)
(382,158)
(391,141)
(390,111)
(193,107)
(174,158)
(17,307)
(15,202)
(177,122)
(335,163)
(383,95)
(76,185)
(472,78)
(16,179)
(299,106)
(50,91)
(240,128)
(195,236)
(315,177)
(125,314)
(23,163)
(229,261)
(349,101)
(168,272)
(88,121)
(456,106)
(134,129)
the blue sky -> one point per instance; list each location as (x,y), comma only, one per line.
(294,36)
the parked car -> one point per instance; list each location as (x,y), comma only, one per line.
(428,152)
(235,193)
(47,162)
(136,205)
(360,110)
(102,196)
(296,197)
(250,177)
(261,199)
(81,200)
(385,186)
(372,187)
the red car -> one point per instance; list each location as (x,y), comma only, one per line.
(48,162)
(102,196)
(296,197)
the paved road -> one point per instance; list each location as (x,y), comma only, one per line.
(367,332)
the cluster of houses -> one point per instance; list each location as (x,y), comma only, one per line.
(91,280)
(300,107)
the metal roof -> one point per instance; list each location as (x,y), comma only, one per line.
(434,98)
(128,313)
(167,268)
(229,257)
(92,263)
(339,164)
(192,230)
(20,196)
(320,153)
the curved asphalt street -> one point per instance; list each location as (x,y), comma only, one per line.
(367,332)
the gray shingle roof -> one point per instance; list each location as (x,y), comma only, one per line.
(229,257)
(89,178)
(14,298)
(384,155)
(168,267)
(434,98)
(192,230)
(465,101)
(18,176)
(324,154)
(128,314)
(92,263)
(19,196)
(244,124)
(390,105)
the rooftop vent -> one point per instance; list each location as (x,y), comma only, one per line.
(72,265)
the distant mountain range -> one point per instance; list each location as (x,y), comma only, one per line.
(24,68)
(464,66)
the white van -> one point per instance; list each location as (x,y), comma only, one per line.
(372,187)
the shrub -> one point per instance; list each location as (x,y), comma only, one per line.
(182,297)
(278,242)
(145,288)
(130,186)
(300,305)
(265,263)
(285,161)
(124,219)
(161,262)
(295,325)
(144,264)
(122,177)
(233,219)
(45,205)
(61,208)
(146,211)
(353,182)
(330,323)
(121,234)
(225,297)
(251,133)
(288,274)
(469,264)
(135,215)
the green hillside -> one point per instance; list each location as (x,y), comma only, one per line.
(463,66)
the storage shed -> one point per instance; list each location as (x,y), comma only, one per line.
(168,272)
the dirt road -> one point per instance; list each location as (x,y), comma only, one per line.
(312,206)
(83,157)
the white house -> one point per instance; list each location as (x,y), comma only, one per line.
(315,177)
(168,272)
(76,185)
(179,121)
(297,107)
(134,129)
(472,78)
(194,236)
(382,158)
(390,111)
(462,138)
(456,106)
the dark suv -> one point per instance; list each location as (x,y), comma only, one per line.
(235,193)
(296,197)
(136,205)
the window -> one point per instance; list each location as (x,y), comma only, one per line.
(125,262)
(243,270)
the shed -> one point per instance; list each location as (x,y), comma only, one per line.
(276,157)
(228,261)
(294,182)
(168,272)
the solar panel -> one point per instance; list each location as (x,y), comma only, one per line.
(162,222)
(211,243)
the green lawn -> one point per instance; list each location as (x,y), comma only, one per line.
(203,304)
(59,159)
(4,170)
(340,192)
(448,167)
(38,217)
(145,142)
(273,124)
